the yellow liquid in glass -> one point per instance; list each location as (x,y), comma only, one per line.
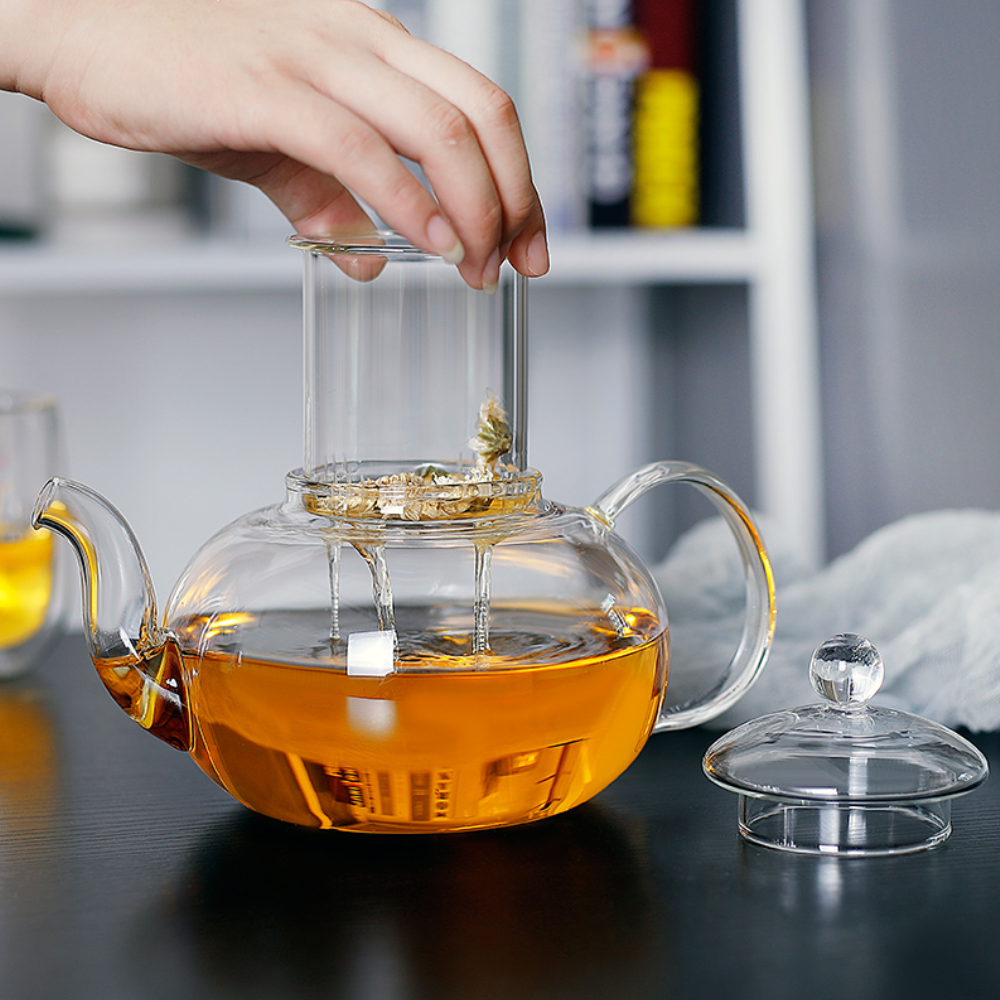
(25,584)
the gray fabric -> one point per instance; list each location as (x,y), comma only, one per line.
(925,591)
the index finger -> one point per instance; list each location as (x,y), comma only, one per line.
(493,117)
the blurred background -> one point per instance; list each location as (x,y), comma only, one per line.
(776,252)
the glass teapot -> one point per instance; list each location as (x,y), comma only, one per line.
(415,640)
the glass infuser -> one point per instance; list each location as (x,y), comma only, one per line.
(415,639)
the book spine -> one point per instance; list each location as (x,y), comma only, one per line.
(615,55)
(665,186)
(548,98)
(469,30)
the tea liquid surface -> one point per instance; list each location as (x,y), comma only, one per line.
(448,740)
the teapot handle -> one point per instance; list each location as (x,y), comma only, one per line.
(758,623)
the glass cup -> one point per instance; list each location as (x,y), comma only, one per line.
(33,577)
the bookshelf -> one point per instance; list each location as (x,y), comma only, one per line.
(764,248)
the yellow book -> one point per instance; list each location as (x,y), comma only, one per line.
(665,149)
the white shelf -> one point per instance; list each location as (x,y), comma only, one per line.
(616,258)
(195,266)
(689,256)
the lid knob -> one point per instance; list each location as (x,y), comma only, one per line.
(846,670)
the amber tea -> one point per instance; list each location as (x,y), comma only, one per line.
(447,741)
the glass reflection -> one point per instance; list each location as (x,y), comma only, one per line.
(561,908)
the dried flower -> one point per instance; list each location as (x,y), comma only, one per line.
(494,437)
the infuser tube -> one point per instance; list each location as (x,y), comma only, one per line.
(481,610)
(374,555)
(333,554)
(397,365)
(415,401)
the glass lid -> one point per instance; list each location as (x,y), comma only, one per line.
(845,777)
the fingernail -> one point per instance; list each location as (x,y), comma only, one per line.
(538,255)
(491,273)
(442,239)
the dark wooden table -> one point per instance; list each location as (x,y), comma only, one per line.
(125,873)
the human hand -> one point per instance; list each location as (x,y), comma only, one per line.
(308,100)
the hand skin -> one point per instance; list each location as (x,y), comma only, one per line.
(306,99)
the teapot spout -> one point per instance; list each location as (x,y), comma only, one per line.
(135,659)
